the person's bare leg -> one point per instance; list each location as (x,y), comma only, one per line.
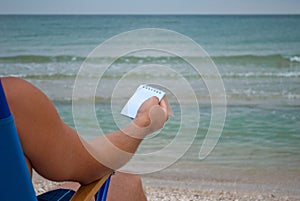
(126,187)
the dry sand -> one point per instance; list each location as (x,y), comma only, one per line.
(158,188)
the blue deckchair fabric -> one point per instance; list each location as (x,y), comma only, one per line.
(102,193)
(57,195)
(15,182)
(4,109)
(66,194)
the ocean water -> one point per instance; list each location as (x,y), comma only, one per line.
(258,58)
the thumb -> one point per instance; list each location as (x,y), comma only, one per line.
(165,107)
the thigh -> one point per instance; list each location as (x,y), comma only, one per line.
(52,148)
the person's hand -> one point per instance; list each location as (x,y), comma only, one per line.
(152,114)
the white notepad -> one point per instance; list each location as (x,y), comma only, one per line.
(142,93)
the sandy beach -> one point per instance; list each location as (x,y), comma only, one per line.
(168,193)
(169,185)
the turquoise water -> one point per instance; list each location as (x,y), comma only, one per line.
(258,58)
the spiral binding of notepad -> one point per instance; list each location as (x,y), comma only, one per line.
(142,93)
(152,89)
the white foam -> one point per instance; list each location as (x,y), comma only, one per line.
(264,74)
(295,59)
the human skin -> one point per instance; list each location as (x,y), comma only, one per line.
(56,151)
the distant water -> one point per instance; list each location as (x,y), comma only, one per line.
(258,58)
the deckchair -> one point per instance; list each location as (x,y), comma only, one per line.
(15,184)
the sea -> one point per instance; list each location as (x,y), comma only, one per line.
(255,58)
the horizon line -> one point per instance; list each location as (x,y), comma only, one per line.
(149,13)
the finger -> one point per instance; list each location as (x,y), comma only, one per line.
(164,107)
(169,109)
(155,99)
(157,117)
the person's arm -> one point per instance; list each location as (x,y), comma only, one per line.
(115,149)
(57,152)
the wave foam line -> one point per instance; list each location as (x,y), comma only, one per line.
(276,58)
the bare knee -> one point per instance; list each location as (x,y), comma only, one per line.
(126,186)
(132,180)
(136,181)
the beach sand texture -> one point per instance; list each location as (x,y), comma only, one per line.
(168,193)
